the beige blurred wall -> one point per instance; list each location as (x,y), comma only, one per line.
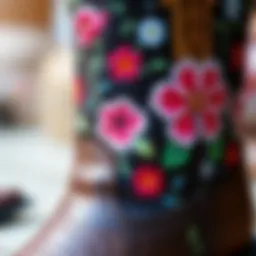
(24,38)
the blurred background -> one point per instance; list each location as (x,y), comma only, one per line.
(37,112)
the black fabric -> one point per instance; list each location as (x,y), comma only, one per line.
(229,36)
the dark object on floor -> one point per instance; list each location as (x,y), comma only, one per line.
(6,115)
(11,202)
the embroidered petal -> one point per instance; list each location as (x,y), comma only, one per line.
(211,125)
(210,76)
(168,101)
(187,76)
(217,100)
(232,156)
(89,24)
(183,130)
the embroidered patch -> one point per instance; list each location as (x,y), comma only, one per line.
(148,182)
(120,123)
(152,32)
(192,101)
(89,24)
(124,64)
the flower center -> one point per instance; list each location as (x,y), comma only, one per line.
(152,31)
(120,122)
(125,65)
(197,102)
(149,182)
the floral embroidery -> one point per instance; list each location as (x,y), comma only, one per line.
(216,150)
(79,92)
(175,156)
(206,170)
(89,24)
(124,64)
(236,58)
(232,156)
(148,182)
(145,148)
(124,51)
(152,32)
(196,97)
(119,123)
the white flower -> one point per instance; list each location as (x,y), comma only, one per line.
(152,32)
(206,171)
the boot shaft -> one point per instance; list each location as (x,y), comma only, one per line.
(155,80)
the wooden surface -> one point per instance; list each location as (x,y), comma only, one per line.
(33,12)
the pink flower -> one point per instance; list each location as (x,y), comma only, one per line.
(194,102)
(89,24)
(119,123)
(124,64)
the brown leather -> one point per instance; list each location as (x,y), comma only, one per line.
(225,221)
(191,21)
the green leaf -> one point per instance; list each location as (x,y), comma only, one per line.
(117,8)
(156,65)
(82,125)
(124,166)
(127,28)
(175,156)
(145,148)
(194,240)
(96,64)
(216,150)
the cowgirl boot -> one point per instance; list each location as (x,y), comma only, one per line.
(151,145)
(225,220)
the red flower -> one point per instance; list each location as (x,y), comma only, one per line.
(236,56)
(194,102)
(232,157)
(124,64)
(120,123)
(148,182)
(78,92)
(89,24)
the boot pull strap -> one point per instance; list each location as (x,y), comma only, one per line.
(191,33)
